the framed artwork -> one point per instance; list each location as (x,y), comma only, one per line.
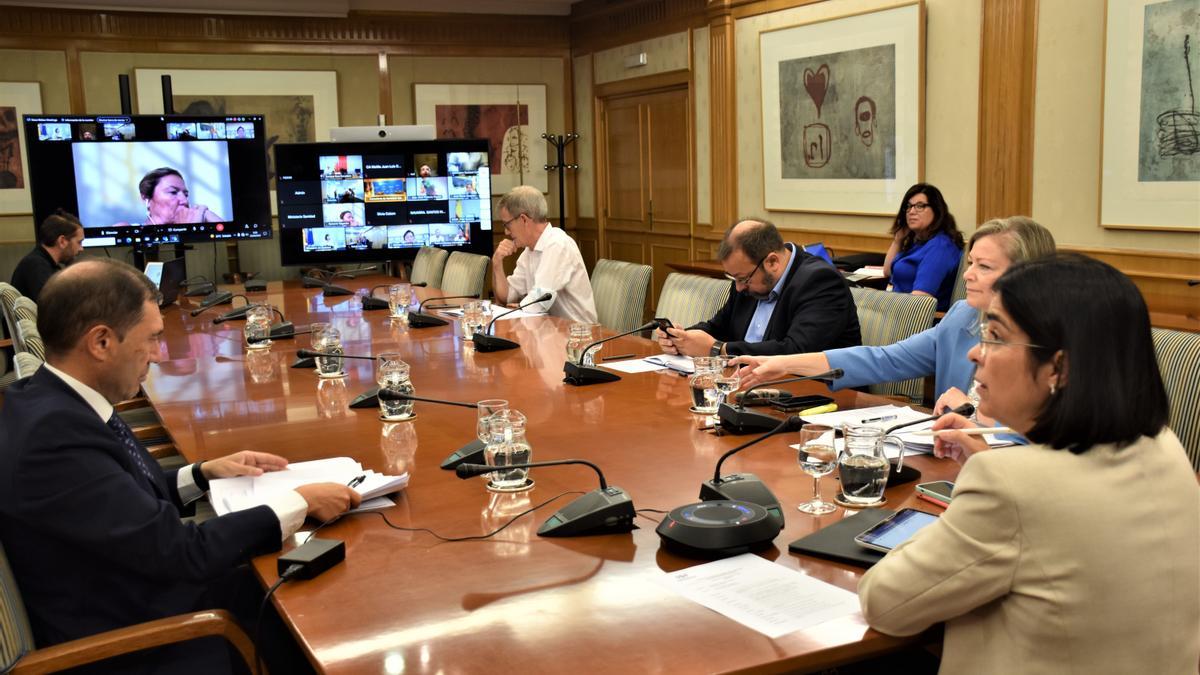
(511,116)
(842,108)
(1150,162)
(16,99)
(298,106)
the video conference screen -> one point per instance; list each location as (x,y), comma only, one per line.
(151,179)
(360,202)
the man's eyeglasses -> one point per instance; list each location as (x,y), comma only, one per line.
(919,207)
(742,281)
(510,221)
(987,340)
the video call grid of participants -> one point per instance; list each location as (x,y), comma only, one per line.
(123,129)
(377,202)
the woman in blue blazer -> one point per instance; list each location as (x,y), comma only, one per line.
(940,351)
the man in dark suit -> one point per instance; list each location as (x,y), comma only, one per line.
(60,239)
(90,522)
(783,301)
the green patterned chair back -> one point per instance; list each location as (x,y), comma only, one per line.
(620,291)
(28,339)
(960,286)
(465,274)
(26,364)
(16,638)
(687,299)
(1178,355)
(428,265)
(24,308)
(885,318)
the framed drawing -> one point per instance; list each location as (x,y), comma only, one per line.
(511,116)
(16,99)
(842,108)
(298,106)
(1150,162)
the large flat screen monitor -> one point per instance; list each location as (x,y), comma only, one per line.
(363,202)
(142,180)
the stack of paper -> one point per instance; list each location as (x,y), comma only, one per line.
(886,417)
(682,364)
(244,492)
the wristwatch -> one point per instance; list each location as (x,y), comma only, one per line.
(716,348)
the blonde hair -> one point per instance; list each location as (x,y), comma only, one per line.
(1025,240)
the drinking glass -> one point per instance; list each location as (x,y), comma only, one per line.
(726,380)
(330,342)
(863,466)
(507,446)
(472,318)
(392,375)
(817,458)
(486,408)
(399,298)
(580,336)
(258,325)
(703,384)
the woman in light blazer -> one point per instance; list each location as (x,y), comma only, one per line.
(1078,553)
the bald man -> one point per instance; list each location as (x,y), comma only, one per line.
(782,301)
(90,522)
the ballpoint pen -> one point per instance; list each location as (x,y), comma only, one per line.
(885,418)
(357,480)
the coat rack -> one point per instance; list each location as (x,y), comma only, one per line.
(560,143)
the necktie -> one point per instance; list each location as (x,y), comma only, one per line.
(136,453)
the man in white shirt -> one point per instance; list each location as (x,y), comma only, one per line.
(550,262)
(90,522)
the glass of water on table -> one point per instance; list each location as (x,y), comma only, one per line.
(817,458)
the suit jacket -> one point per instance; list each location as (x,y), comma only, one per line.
(33,271)
(1052,562)
(815,311)
(941,350)
(94,544)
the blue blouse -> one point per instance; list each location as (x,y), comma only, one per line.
(928,267)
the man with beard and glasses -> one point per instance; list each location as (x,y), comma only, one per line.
(782,301)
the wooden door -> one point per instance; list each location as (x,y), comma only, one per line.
(646,198)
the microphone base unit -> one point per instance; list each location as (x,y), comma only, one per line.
(423,320)
(740,422)
(601,511)
(284,330)
(367,399)
(218,298)
(584,375)
(906,475)
(491,343)
(717,529)
(743,487)
(471,453)
(304,362)
(255,285)
(198,289)
(333,291)
(312,282)
(375,303)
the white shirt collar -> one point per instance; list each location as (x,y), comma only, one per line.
(94,398)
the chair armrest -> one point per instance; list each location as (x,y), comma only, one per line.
(136,638)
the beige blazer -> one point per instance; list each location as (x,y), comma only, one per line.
(1052,562)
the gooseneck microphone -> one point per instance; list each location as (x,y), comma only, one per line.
(239,313)
(330,290)
(966,410)
(899,474)
(748,487)
(371,302)
(471,452)
(392,395)
(581,375)
(486,342)
(307,353)
(216,298)
(279,332)
(606,510)
(197,286)
(419,319)
(738,420)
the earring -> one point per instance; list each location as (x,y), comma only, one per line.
(1052,388)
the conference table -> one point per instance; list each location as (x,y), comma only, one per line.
(405,602)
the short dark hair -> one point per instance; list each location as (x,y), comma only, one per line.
(99,291)
(58,224)
(1096,316)
(943,220)
(150,180)
(756,241)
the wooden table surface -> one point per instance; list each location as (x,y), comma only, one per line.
(404,602)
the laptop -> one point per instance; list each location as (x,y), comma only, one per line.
(166,277)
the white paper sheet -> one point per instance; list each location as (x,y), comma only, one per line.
(761,595)
(631,366)
(243,492)
(884,416)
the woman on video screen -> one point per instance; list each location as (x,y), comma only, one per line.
(165,194)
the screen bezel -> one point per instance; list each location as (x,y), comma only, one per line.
(871,537)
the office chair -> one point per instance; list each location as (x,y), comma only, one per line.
(885,318)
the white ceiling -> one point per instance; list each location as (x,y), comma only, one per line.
(332,8)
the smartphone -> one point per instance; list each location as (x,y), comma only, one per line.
(894,530)
(793,403)
(664,324)
(940,490)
